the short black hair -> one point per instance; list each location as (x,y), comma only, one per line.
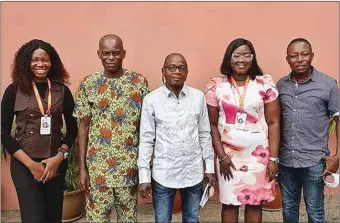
(226,69)
(298,40)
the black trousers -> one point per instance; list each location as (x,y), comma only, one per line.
(39,202)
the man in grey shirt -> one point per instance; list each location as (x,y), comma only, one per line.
(309,99)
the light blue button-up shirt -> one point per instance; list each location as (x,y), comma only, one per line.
(175,135)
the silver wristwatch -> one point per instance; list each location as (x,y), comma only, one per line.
(64,152)
(274,159)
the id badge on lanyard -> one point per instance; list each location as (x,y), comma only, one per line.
(241,117)
(45,120)
(45,125)
(240,120)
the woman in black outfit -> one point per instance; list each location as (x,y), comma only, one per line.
(38,97)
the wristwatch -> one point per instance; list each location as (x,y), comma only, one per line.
(274,159)
(64,152)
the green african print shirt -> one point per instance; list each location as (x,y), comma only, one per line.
(114,105)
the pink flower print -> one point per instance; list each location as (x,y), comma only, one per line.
(261,154)
(247,168)
(263,194)
(259,80)
(247,197)
(268,95)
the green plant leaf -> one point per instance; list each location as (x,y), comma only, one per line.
(71,178)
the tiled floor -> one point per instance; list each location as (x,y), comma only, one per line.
(211,213)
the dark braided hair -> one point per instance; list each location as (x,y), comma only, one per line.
(22,75)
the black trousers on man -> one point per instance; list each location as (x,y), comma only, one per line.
(39,202)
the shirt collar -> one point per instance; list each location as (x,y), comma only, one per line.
(167,92)
(125,71)
(311,77)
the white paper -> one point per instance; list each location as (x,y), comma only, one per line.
(332,184)
(208,192)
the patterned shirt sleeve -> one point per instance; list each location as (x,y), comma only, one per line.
(82,106)
(210,93)
(271,93)
(333,101)
(145,87)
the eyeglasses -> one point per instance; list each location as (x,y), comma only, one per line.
(238,57)
(173,68)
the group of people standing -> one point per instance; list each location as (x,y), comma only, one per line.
(244,126)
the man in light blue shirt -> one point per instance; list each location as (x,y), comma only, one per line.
(175,136)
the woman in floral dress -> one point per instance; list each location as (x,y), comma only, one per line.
(244,113)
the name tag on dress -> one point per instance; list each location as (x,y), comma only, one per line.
(45,125)
(240,121)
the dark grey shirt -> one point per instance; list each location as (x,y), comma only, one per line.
(306,110)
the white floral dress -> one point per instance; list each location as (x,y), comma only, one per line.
(249,147)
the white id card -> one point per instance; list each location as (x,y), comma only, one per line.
(240,121)
(45,125)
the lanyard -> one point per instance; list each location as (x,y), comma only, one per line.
(49,100)
(243,96)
